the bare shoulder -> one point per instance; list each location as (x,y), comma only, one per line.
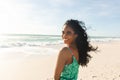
(63,51)
(62,59)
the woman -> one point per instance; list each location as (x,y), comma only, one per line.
(75,53)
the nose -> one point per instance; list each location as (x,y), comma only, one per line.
(64,36)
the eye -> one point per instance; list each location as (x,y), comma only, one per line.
(62,32)
(69,32)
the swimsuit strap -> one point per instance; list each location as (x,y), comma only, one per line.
(70,51)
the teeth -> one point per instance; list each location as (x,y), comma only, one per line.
(65,39)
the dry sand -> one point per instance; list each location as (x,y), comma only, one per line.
(105,65)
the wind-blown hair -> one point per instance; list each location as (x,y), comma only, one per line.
(82,42)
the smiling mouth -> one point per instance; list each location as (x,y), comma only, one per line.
(65,39)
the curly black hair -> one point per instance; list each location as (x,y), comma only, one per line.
(82,42)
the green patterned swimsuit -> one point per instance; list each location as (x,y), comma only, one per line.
(70,71)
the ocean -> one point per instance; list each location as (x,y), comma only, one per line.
(34,40)
(30,40)
(37,44)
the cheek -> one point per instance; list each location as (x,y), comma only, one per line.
(72,39)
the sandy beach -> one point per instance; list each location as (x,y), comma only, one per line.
(105,64)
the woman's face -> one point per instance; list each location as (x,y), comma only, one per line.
(68,35)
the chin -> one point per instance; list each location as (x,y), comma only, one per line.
(66,43)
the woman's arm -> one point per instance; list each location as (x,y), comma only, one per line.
(60,63)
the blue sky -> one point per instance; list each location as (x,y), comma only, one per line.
(102,17)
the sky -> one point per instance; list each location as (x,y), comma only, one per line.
(102,17)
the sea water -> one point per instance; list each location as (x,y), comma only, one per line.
(37,44)
(18,46)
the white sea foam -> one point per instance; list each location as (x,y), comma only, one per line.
(37,44)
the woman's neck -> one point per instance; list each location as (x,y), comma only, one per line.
(73,46)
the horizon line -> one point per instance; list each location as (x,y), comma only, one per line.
(22,34)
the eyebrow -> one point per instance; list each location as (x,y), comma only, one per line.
(67,31)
